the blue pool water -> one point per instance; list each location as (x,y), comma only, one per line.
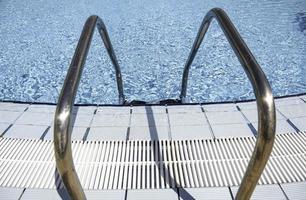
(152,40)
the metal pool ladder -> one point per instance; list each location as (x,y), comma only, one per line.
(264,98)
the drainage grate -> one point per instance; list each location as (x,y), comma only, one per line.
(151,164)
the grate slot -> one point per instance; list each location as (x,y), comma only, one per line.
(141,164)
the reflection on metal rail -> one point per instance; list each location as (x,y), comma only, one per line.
(263,94)
(63,119)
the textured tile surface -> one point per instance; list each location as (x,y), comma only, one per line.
(295,191)
(190,132)
(39,194)
(100,119)
(149,133)
(271,192)
(107,133)
(300,122)
(148,109)
(184,109)
(9,116)
(288,101)
(219,107)
(293,111)
(158,194)
(105,194)
(149,120)
(3,127)
(41,108)
(85,110)
(247,105)
(187,119)
(10,193)
(234,117)
(252,115)
(25,131)
(34,118)
(77,133)
(82,120)
(231,130)
(213,193)
(114,110)
(282,126)
(13,106)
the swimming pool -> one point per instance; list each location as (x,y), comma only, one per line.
(152,40)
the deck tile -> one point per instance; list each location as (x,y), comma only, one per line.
(184,109)
(267,192)
(295,191)
(300,123)
(3,127)
(190,119)
(30,118)
(252,115)
(13,106)
(9,116)
(247,105)
(191,132)
(303,97)
(288,101)
(233,117)
(149,120)
(46,194)
(148,109)
(293,111)
(211,193)
(77,133)
(39,108)
(105,194)
(84,110)
(152,194)
(231,130)
(220,107)
(111,120)
(149,133)
(25,131)
(282,126)
(107,133)
(38,194)
(7,193)
(82,120)
(114,110)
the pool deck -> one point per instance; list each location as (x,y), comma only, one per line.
(29,127)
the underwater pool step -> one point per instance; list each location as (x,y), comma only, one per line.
(145,164)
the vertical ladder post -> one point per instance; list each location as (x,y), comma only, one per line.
(64,110)
(261,88)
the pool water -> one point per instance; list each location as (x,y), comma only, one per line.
(152,40)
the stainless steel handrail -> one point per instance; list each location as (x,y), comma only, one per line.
(63,115)
(263,94)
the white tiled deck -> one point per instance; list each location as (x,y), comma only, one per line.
(292,191)
(184,122)
(168,122)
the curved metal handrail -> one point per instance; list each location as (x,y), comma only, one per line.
(263,94)
(63,120)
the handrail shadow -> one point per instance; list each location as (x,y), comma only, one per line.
(154,136)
